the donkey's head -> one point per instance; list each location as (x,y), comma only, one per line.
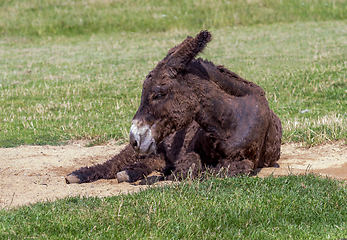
(167,102)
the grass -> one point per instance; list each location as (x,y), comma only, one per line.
(89,87)
(295,207)
(56,18)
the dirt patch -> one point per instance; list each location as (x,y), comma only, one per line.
(36,173)
(327,160)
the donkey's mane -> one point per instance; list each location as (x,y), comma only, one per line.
(227,80)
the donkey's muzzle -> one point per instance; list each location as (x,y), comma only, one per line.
(141,138)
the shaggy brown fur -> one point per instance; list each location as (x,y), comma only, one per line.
(202,117)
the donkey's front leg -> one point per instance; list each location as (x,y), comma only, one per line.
(107,170)
(139,170)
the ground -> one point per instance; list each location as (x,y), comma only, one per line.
(36,173)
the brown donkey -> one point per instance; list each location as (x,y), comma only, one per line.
(194,117)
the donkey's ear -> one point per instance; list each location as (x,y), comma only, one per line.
(181,55)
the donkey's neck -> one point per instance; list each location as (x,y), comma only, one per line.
(215,111)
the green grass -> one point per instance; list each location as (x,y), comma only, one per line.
(292,207)
(56,18)
(89,87)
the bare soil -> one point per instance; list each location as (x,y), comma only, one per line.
(36,173)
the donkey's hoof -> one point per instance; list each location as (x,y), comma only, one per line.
(72,178)
(123,176)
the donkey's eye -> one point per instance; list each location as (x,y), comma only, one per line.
(159,96)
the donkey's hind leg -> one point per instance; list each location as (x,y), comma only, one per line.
(187,166)
(107,170)
(272,144)
(231,168)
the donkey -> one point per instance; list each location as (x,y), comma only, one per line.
(194,117)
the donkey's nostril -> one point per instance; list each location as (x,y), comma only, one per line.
(133,141)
